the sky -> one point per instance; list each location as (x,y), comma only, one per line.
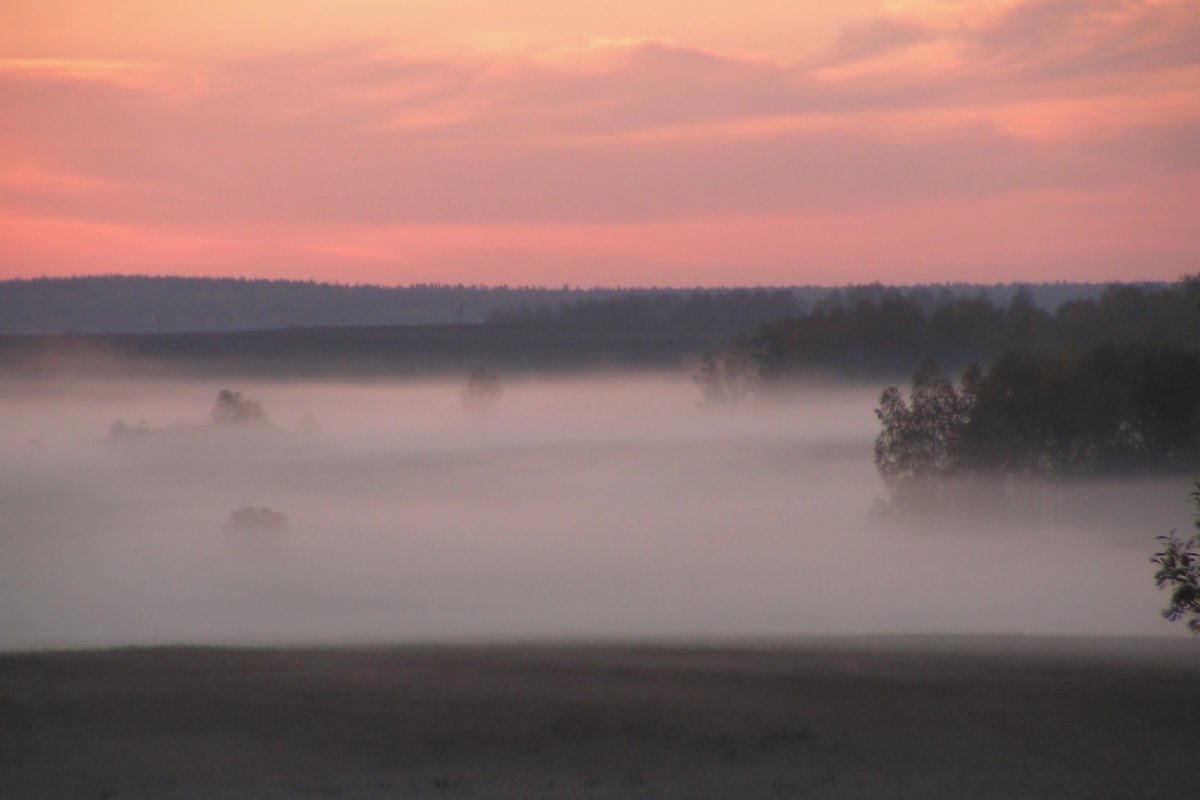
(623,142)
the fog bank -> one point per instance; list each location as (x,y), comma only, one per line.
(584,507)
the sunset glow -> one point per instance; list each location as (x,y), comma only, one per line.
(602,143)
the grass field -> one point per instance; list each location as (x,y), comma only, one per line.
(830,718)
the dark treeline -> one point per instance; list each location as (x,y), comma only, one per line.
(1132,408)
(120,304)
(897,329)
(136,304)
(745,308)
(731,308)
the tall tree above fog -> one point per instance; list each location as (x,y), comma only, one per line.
(922,437)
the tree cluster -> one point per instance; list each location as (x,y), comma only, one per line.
(923,437)
(1109,409)
(873,334)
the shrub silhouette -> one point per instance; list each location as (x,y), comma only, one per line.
(231,408)
(482,390)
(1179,570)
(728,376)
(249,519)
(121,430)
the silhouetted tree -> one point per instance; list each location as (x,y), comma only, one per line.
(231,408)
(482,390)
(1179,570)
(921,439)
(727,376)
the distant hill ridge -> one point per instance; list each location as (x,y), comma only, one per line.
(146,304)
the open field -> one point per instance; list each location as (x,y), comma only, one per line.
(830,718)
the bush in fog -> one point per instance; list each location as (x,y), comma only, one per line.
(727,376)
(121,430)
(482,390)
(1179,571)
(231,408)
(250,519)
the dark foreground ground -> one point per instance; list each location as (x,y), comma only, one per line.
(880,718)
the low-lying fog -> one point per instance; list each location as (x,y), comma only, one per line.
(584,507)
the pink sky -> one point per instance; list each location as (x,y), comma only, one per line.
(601,143)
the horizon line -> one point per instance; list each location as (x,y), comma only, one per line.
(584,288)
